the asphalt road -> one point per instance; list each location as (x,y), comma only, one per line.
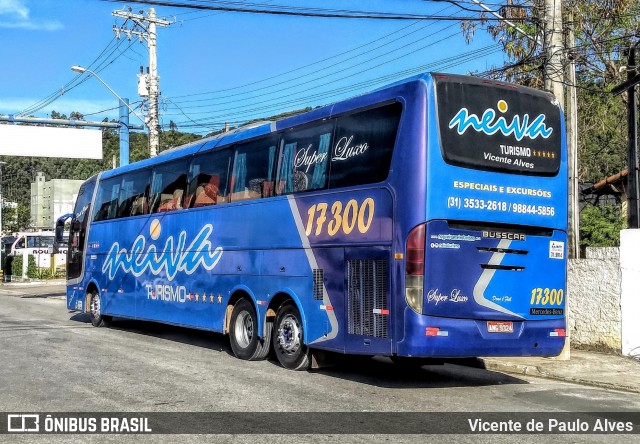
(55,361)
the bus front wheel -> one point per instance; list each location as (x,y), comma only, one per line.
(288,338)
(95,311)
(243,334)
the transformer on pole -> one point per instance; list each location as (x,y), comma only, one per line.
(144,27)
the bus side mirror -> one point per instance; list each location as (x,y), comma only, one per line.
(60,232)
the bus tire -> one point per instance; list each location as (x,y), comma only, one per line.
(243,334)
(288,338)
(95,307)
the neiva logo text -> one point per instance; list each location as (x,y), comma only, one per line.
(489,123)
(174,257)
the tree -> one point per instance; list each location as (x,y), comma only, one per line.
(15,219)
(600,226)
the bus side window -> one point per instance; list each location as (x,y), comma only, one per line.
(304,159)
(207,192)
(133,194)
(253,169)
(168,186)
(208,179)
(107,200)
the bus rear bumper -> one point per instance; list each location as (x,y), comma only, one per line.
(429,336)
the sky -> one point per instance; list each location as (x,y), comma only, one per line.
(224,67)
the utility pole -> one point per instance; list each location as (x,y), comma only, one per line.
(553,70)
(572,143)
(633,178)
(633,195)
(144,27)
(554,81)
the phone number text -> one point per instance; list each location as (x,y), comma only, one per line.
(498,205)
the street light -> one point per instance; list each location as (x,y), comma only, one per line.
(82,70)
(124,116)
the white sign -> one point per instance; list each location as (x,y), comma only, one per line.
(556,250)
(45,141)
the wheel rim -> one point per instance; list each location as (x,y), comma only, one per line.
(289,334)
(95,305)
(244,329)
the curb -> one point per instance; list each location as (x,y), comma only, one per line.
(510,367)
(536,371)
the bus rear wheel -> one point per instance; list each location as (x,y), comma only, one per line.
(243,333)
(288,338)
(95,311)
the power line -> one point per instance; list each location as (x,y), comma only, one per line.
(77,80)
(306,83)
(352,88)
(300,68)
(307,12)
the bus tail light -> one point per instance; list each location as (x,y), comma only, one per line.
(435,331)
(414,274)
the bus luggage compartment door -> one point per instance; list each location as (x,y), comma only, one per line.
(367,301)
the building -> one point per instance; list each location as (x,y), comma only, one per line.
(52,199)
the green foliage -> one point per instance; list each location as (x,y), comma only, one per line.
(15,219)
(173,138)
(602,138)
(43,273)
(32,270)
(16,266)
(600,226)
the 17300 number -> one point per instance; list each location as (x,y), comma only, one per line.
(341,218)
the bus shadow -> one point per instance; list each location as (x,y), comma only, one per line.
(43,295)
(183,335)
(382,372)
(374,371)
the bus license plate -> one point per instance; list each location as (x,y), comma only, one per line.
(500,326)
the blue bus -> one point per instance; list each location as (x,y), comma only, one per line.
(426,219)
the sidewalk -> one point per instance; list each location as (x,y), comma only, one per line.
(43,289)
(585,367)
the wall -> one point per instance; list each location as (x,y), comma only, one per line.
(594,298)
(630,297)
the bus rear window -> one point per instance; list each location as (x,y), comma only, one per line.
(498,128)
